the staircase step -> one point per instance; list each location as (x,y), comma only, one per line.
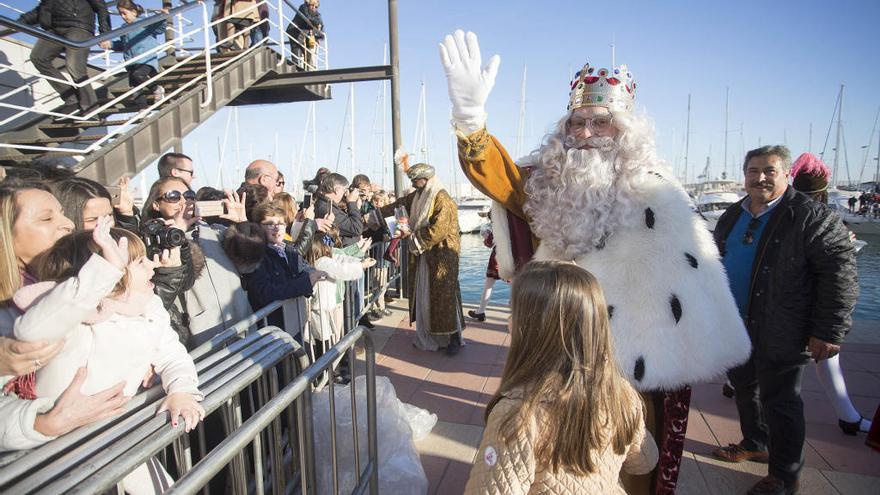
(29,157)
(83,125)
(55,140)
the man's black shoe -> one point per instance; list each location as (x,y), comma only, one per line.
(66,109)
(374,315)
(454,345)
(477,316)
(365,321)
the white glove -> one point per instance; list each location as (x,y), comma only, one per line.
(469,84)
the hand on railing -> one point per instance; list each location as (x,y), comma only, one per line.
(182,404)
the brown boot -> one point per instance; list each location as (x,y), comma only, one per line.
(771,485)
(737,453)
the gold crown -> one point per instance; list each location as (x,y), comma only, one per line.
(613,89)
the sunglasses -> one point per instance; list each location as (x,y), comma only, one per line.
(175,196)
(749,236)
(191,173)
(599,123)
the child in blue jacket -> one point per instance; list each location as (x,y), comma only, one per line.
(136,43)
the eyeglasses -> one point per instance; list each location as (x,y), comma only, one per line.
(599,123)
(749,236)
(174,196)
(274,225)
(192,173)
(279,183)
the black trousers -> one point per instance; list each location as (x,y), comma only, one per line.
(45,52)
(771,413)
(137,75)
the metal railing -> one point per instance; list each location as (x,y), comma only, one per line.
(180,41)
(299,393)
(258,386)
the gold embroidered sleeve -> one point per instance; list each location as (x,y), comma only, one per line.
(490,169)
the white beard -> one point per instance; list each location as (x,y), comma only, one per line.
(577,198)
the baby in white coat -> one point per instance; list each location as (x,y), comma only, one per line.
(97,295)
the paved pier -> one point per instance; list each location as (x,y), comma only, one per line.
(457,389)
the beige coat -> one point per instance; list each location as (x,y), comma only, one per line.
(512,469)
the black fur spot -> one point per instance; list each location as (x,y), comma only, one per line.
(676,307)
(649,218)
(601,244)
(610,311)
(691,259)
(639,370)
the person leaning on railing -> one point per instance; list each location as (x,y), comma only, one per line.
(31,221)
(75,21)
(306,32)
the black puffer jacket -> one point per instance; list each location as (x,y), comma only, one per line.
(804,281)
(173,281)
(350,222)
(53,14)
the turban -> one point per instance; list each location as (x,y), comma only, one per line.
(420,171)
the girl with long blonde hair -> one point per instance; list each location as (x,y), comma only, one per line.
(564,418)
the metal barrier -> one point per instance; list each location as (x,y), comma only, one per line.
(179,41)
(258,387)
(299,393)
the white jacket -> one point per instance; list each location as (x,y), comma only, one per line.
(119,349)
(324,323)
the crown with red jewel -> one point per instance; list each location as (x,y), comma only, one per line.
(612,88)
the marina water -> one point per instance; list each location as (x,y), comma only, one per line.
(475,256)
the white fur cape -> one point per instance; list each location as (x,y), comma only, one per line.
(673,317)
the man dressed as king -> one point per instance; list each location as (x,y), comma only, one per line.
(595,193)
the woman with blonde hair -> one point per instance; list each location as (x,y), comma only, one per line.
(564,419)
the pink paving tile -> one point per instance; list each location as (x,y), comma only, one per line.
(479,412)
(843,453)
(449,403)
(455,478)
(434,468)
(479,352)
(393,365)
(859,361)
(862,383)
(699,439)
(817,408)
(493,335)
(403,386)
(467,376)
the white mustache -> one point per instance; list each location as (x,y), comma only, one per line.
(601,143)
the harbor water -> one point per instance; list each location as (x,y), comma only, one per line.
(475,256)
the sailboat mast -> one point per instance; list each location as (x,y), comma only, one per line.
(687,140)
(383,155)
(877,172)
(839,131)
(425,121)
(726,130)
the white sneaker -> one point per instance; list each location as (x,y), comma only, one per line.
(159,92)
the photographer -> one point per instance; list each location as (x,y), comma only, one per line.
(169,212)
(349,221)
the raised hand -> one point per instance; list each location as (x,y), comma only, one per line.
(235,210)
(116,253)
(126,201)
(309,213)
(469,83)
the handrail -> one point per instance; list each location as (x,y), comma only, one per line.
(109,35)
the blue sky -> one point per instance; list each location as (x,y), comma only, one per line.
(783,62)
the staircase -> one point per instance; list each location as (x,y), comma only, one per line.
(145,139)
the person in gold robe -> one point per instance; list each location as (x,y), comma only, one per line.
(433,242)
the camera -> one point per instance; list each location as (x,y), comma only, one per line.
(157,237)
(310,186)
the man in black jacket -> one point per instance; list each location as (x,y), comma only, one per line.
(74,20)
(792,271)
(350,221)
